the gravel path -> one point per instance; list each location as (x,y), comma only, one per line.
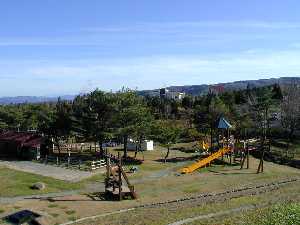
(212,215)
(48,170)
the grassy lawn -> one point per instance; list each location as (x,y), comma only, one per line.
(267,215)
(287,214)
(154,178)
(16,183)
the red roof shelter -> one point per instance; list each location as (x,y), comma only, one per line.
(19,143)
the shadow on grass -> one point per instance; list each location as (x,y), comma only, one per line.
(178,159)
(277,158)
(96,196)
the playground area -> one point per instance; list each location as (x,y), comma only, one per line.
(164,194)
(216,176)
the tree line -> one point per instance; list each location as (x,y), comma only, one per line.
(102,116)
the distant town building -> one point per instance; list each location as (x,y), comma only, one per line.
(165,93)
(146,145)
(216,89)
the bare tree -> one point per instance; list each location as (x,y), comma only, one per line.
(290,111)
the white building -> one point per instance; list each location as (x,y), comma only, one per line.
(146,145)
(165,93)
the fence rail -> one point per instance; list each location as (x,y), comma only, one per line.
(97,164)
(74,163)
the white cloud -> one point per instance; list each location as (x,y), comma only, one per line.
(152,72)
(73,76)
(208,31)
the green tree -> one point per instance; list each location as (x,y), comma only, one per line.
(132,116)
(92,116)
(166,134)
(56,123)
(207,115)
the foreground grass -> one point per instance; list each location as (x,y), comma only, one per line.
(15,183)
(286,211)
(288,214)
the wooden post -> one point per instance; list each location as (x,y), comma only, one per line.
(248,156)
(233,151)
(260,168)
(243,160)
(107,170)
(120,177)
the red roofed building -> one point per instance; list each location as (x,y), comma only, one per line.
(24,145)
(216,89)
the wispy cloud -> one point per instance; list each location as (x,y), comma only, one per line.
(61,41)
(168,32)
(177,26)
(73,76)
(191,69)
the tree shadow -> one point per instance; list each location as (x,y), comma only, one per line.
(178,159)
(282,160)
(222,162)
(95,196)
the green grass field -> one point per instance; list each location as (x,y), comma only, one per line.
(15,183)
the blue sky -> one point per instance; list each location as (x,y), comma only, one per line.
(55,47)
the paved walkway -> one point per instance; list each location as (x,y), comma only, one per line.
(48,170)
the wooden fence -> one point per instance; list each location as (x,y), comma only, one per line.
(74,163)
(97,164)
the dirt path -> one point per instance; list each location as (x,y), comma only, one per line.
(213,215)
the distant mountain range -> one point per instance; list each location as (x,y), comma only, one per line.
(195,90)
(188,89)
(32,99)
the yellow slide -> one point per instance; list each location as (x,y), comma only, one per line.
(205,161)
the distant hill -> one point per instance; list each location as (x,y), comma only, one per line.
(188,89)
(32,99)
(237,85)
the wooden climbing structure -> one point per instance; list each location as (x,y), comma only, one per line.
(117,185)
